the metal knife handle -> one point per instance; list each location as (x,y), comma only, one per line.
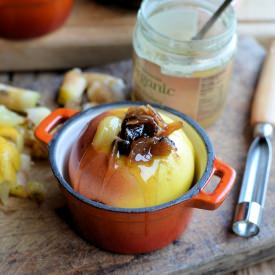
(263,107)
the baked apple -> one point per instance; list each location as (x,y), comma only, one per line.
(132,158)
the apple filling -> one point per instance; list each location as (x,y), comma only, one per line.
(144,134)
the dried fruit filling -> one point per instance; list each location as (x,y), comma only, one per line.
(144,134)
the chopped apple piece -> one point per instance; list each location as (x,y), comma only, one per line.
(18,99)
(9,118)
(34,117)
(14,135)
(107,131)
(37,114)
(103,88)
(72,89)
(19,188)
(9,161)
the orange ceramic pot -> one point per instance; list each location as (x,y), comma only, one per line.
(21,19)
(136,230)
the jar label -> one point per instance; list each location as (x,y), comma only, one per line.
(201,97)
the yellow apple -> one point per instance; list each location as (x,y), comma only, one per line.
(138,184)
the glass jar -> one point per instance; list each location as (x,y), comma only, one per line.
(173,69)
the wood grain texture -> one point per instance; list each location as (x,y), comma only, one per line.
(40,240)
(97,34)
(264,99)
(265,268)
(94,34)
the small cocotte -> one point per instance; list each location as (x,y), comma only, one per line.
(133,230)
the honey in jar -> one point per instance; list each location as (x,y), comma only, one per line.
(172,68)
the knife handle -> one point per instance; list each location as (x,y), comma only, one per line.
(263,107)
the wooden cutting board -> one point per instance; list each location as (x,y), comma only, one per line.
(39,240)
(93,34)
(97,34)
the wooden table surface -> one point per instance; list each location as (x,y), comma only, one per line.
(257,18)
(40,241)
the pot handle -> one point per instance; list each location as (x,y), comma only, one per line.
(213,200)
(43,131)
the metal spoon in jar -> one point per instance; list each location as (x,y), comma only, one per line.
(211,21)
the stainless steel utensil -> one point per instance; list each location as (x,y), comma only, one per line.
(251,201)
(212,20)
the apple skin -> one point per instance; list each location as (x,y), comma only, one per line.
(125,185)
